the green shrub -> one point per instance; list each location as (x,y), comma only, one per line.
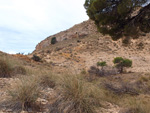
(5,69)
(120,63)
(53,40)
(36,58)
(102,64)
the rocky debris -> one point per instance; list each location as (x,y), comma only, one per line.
(42,103)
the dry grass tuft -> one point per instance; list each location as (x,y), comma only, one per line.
(25,91)
(77,95)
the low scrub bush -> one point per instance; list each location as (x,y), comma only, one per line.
(77,95)
(36,58)
(93,70)
(102,72)
(124,88)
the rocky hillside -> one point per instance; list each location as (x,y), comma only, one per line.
(77,31)
(82,46)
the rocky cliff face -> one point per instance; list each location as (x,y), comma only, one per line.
(77,31)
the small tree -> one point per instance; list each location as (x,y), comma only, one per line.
(102,64)
(120,63)
(53,40)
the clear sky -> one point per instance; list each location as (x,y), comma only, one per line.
(24,23)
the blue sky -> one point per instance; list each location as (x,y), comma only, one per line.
(24,23)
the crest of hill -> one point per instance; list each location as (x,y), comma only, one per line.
(77,31)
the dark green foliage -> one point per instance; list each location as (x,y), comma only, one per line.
(117,60)
(127,63)
(120,63)
(5,69)
(113,17)
(102,64)
(53,40)
(36,58)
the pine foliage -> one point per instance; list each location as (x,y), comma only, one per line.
(115,17)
